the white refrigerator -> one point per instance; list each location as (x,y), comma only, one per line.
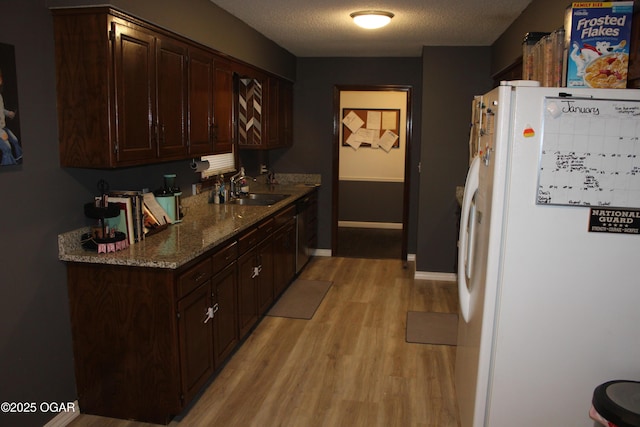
(549,255)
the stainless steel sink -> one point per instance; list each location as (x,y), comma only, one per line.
(259,199)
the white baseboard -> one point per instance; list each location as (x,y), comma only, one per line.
(327,252)
(434,275)
(64,418)
(367,224)
(321,252)
(370,179)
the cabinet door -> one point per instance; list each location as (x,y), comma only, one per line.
(250,113)
(223,107)
(284,261)
(248,273)
(200,102)
(286,113)
(196,340)
(265,283)
(172,100)
(225,320)
(272,116)
(278,113)
(135,83)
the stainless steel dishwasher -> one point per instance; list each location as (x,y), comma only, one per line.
(302,240)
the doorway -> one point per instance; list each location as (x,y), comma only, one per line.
(370,191)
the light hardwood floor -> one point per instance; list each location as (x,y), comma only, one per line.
(348,366)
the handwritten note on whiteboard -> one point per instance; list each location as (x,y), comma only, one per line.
(590,153)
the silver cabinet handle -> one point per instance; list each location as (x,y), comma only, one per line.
(256,271)
(209,314)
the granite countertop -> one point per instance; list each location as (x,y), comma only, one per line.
(204,226)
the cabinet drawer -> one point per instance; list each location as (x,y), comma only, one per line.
(224,257)
(284,216)
(248,240)
(266,229)
(194,277)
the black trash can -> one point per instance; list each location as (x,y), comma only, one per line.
(616,404)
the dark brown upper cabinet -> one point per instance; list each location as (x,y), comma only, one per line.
(131,93)
(106,77)
(265,111)
(117,84)
(223,105)
(201,101)
(172,97)
(131,132)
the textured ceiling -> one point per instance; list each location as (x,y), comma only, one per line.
(323,28)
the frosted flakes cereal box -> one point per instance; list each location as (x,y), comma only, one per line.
(598,36)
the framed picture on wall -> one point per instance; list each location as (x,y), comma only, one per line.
(10,137)
(376,128)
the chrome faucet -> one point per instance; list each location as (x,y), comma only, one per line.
(233,192)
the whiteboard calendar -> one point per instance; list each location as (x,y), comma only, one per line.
(590,153)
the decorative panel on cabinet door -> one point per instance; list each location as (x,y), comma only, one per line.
(172,98)
(201,102)
(196,340)
(223,107)
(135,90)
(225,320)
(251,112)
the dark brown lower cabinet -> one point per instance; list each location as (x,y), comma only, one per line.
(284,256)
(196,339)
(207,317)
(264,259)
(255,274)
(247,292)
(146,340)
(225,320)
(125,341)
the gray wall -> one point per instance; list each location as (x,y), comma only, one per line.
(368,201)
(451,77)
(540,15)
(313,123)
(41,200)
(446,114)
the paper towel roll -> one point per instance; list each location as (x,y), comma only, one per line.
(199,166)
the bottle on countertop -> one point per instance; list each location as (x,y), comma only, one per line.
(216,193)
(223,191)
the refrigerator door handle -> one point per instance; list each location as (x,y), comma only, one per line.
(466,237)
(470,239)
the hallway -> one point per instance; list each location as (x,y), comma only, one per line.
(373,243)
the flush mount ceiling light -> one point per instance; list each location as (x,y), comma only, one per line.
(371,19)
